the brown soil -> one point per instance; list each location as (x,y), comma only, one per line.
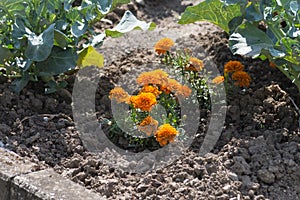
(256,157)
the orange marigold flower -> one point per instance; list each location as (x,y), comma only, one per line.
(165,89)
(273,65)
(143,101)
(242,78)
(165,134)
(152,89)
(163,45)
(148,125)
(174,86)
(195,64)
(156,77)
(218,80)
(233,66)
(119,94)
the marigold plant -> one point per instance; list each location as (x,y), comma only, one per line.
(163,45)
(143,101)
(152,89)
(158,77)
(192,70)
(165,134)
(195,64)
(233,72)
(119,94)
(233,66)
(242,78)
(148,126)
(156,88)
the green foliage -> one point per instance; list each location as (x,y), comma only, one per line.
(265,29)
(42,39)
(212,11)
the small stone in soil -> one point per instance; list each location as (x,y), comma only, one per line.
(266,176)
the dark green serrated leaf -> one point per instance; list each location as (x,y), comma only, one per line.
(39,47)
(214,12)
(58,62)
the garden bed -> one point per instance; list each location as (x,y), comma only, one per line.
(256,157)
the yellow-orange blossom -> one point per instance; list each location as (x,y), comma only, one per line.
(165,134)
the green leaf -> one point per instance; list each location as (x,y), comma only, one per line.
(20,30)
(13,7)
(249,40)
(128,23)
(19,83)
(230,2)
(58,62)
(23,64)
(103,6)
(39,47)
(234,23)
(4,54)
(90,57)
(68,4)
(119,2)
(79,28)
(252,14)
(294,6)
(214,12)
(90,12)
(60,39)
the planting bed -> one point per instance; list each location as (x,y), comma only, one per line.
(256,157)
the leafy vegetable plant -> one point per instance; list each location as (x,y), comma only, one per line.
(268,29)
(42,39)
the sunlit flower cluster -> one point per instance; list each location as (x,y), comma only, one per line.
(238,75)
(160,79)
(154,84)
